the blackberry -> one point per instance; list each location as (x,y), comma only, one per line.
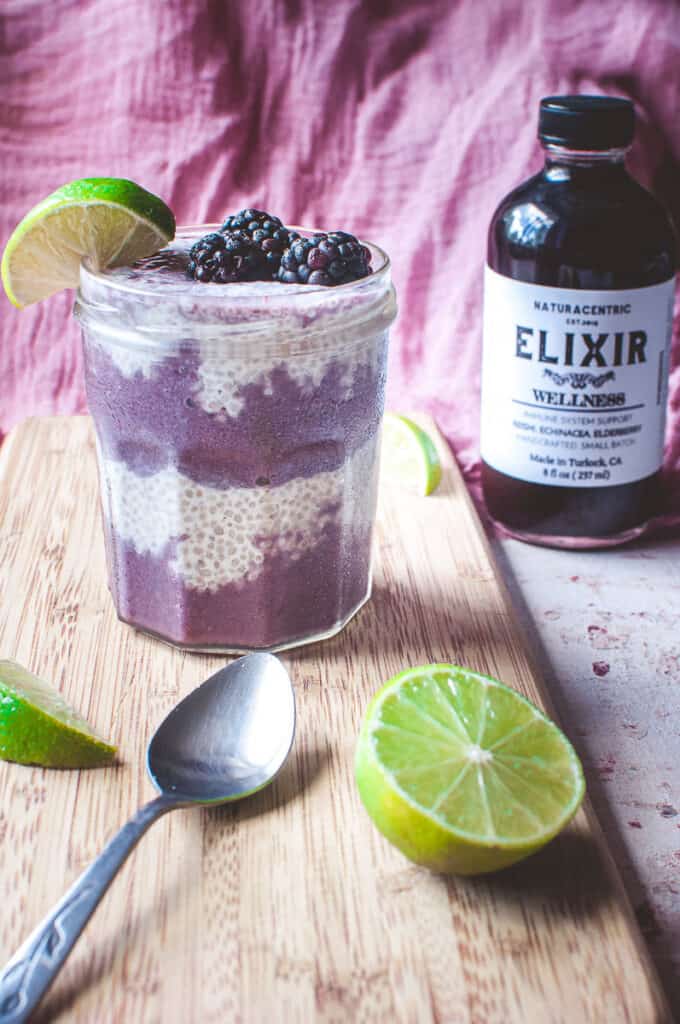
(325,258)
(268,232)
(225,256)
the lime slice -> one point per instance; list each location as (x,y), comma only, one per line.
(409,458)
(463,774)
(108,222)
(37,726)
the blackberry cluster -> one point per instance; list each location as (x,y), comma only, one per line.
(325,258)
(267,231)
(226,256)
(255,246)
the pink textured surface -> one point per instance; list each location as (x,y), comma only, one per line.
(609,626)
(404,122)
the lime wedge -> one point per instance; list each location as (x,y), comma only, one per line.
(37,726)
(409,458)
(108,222)
(463,774)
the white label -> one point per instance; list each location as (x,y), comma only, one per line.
(574,383)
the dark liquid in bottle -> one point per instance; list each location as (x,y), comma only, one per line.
(607,233)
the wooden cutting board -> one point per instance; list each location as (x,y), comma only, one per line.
(289,907)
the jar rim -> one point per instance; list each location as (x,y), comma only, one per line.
(295,316)
(195,231)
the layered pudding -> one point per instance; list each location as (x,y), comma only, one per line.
(237,435)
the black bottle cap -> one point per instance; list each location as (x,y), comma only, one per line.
(586,122)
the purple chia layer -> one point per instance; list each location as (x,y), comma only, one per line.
(283,431)
(291,599)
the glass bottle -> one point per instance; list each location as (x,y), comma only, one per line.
(577,320)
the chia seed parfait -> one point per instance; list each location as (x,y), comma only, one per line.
(237,428)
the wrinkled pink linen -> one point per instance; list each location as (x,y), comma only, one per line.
(404,122)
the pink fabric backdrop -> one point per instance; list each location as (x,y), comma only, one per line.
(404,122)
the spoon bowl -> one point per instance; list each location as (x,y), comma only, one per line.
(229,737)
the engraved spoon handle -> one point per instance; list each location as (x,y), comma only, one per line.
(30,972)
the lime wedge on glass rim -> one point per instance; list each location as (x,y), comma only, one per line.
(409,458)
(463,774)
(37,726)
(107,222)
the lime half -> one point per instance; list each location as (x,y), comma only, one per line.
(37,726)
(463,774)
(108,222)
(409,458)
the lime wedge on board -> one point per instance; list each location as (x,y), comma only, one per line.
(409,458)
(37,726)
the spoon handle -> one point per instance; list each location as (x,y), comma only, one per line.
(30,972)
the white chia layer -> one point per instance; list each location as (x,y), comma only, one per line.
(221,536)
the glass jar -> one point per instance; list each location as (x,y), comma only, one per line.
(237,433)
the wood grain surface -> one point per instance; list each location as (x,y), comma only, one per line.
(289,906)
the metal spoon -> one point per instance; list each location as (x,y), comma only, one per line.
(224,741)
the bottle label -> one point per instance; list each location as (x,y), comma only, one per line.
(574,382)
